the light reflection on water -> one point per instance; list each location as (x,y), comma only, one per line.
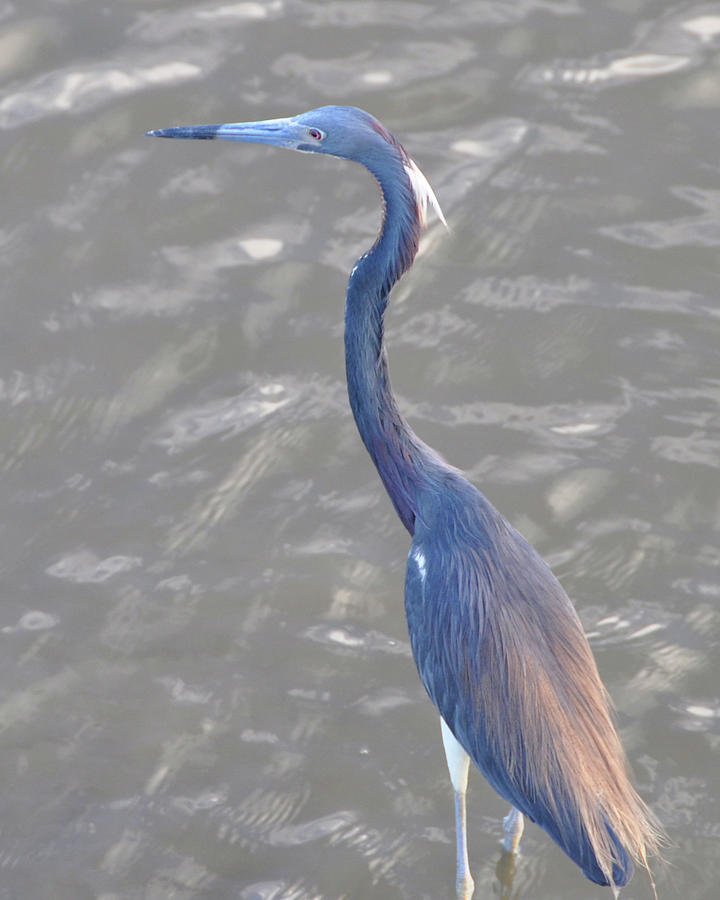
(207,683)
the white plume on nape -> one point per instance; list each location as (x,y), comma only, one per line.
(423,193)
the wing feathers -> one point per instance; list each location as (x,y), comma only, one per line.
(503,655)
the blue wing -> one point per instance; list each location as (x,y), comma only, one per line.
(502,654)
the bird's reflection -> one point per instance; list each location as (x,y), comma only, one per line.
(505,872)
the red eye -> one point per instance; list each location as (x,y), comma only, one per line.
(316,134)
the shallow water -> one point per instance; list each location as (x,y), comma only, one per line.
(207,683)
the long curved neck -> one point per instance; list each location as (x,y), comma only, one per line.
(404,463)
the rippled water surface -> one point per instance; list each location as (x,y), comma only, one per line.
(207,688)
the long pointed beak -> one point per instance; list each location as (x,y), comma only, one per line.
(277,132)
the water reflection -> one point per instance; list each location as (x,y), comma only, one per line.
(83,89)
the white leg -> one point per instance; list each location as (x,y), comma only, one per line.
(458,765)
(514,825)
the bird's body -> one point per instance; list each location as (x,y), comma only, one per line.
(519,688)
(498,645)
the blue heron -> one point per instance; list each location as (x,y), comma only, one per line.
(498,645)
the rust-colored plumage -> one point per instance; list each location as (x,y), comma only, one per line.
(563,741)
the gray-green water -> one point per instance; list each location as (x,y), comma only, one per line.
(207,690)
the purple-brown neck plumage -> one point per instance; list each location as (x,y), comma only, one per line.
(405,464)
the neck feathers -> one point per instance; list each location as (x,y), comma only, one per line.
(405,464)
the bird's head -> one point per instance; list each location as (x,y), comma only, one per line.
(344,131)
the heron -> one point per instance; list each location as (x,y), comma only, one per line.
(497,643)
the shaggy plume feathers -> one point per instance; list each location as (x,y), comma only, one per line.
(564,745)
(424,194)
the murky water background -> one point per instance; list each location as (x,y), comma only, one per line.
(207,688)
